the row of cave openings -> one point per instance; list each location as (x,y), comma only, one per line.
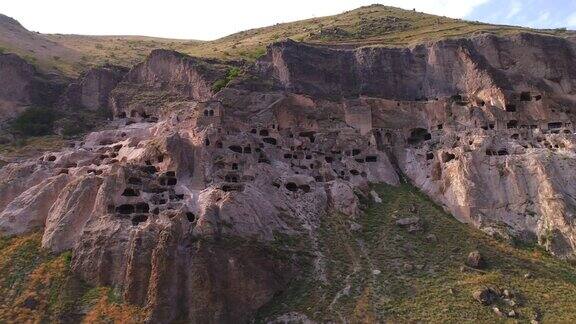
(134,114)
(140,211)
(524,96)
(553,127)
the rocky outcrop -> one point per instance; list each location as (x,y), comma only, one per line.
(165,77)
(92,89)
(181,205)
(22,85)
(486,67)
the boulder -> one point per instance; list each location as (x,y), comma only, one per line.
(486,296)
(412,224)
(475,260)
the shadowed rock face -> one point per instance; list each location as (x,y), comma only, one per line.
(179,211)
(22,85)
(483,66)
(92,90)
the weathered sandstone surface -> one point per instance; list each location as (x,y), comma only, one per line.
(177,204)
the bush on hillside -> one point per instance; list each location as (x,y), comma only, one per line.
(35,121)
(232,74)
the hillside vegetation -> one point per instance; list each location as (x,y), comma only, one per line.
(383,272)
(38,287)
(373,25)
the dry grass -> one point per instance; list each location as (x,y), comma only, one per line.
(32,146)
(38,287)
(374,25)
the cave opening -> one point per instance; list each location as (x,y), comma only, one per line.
(191,217)
(134,181)
(510,108)
(171,181)
(447,157)
(525,96)
(270,140)
(291,186)
(554,125)
(235,148)
(142,207)
(419,135)
(512,124)
(130,192)
(371,158)
(125,209)
(139,219)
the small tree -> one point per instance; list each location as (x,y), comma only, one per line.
(35,121)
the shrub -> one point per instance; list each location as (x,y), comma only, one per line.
(35,121)
(232,74)
(71,128)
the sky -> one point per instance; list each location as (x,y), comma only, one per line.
(211,19)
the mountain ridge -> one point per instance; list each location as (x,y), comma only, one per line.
(375,25)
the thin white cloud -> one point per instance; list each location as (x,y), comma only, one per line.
(515,8)
(543,20)
(571,20)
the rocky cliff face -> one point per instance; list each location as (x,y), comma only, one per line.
(165,77)
(92,89)
(180,206)
(22,85)
(483,125)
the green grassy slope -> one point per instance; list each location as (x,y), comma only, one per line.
(420,279)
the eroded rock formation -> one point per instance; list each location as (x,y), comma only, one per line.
(22,85)
(175,206)
(92,89)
